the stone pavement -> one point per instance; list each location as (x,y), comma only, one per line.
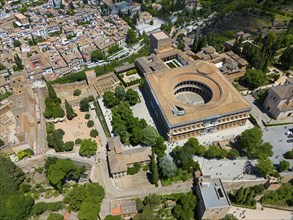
(266,213)
(257,111)
(241,169)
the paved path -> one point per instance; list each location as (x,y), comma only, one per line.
(98,126)
(41,132)
(267,214)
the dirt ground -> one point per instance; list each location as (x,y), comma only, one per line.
(76,128)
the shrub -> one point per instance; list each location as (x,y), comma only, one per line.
(94,133)
(233,154)
(60,131)
(39,208)
(90,123)
(55,206)
(68,146)
(77,92)
(88,148)
(78,141)
(91,98)
(289,155)
(146,168)
(87,116)
(24,153)
(55,216)
(131,72)
(50,127)
(25,187)
(84,105)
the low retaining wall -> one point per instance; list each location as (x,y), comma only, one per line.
(229,185)
(69,86)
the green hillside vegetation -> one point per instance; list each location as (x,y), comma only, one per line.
(15,204)
(282,197)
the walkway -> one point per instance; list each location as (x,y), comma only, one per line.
(267,214)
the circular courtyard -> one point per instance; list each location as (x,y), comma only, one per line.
(193,93)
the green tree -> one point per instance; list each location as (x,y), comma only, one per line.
(136,136)
(195,44)
(16,206)
(88,148)
(181,45)
(39,208)
(86,199)
(193,146)
(229,217)
(68,146)
(216,152)
(75,197)
(233,154)
(16,43)
(90,123)
(152,200)
(110,100)
(264,150)
(55,216)
(184,208)
(77,92)
(167,167)
(89,209)
(289,155)
(284,165)
(51,91)
(250,140)
(255,78)
(94,133)
(120,92)
(18,62)
(160,147)
(61,171)
(265,166)
(132,97)
(131,37)
(69,111)
(150,136)
(154,170)
(11,176)
(183,157)
(97,55)
(281,197)
(286,59)
(84,105)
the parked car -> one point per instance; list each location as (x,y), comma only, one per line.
(289,140)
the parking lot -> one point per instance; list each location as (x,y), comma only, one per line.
(277,137)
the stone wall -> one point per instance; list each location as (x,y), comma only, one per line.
(229,185)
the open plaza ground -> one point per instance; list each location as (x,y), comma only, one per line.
(266,213)
(75,128)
